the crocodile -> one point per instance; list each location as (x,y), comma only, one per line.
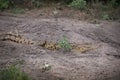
(49,45)
(74,47)
(17,38)
(84,47)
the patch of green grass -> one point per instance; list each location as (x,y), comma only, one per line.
(18,62)
(64,44)
(80,4)
(105,17)
(4,4)
(13,73)
(18,10)
(104,12)
(36,3)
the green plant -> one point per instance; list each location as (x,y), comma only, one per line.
(4,4)
(112,3)
(18,10)
(18,62)
(80,4)
(64,44)
(103,7)
(105,17)
(36,3)
(13,73)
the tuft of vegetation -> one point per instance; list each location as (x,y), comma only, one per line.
(111,8)
(108,11)
(4,4)
(80,4)
(13,73)
(64,44)
(18,62)
(36,3)
(105,17)
(18,10)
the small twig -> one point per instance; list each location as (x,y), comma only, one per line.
(16,31)
(55,12)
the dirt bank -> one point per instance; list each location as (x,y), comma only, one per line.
(99,64)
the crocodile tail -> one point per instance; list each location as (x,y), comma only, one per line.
(15,38)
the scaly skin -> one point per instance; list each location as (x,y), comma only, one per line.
(75,47)
(15,38)
(49,45)
(84,48)
(45,44)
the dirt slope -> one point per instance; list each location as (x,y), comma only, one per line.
(99,64)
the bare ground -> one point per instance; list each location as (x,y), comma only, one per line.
(99,64)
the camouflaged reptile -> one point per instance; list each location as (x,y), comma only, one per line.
(15,38)
(49,45)
(84,47)
(45,44)
(74,47)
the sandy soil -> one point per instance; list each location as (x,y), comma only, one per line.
(99,64)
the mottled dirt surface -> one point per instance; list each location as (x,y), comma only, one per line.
(99,64)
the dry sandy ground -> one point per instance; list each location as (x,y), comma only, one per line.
(99,64)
